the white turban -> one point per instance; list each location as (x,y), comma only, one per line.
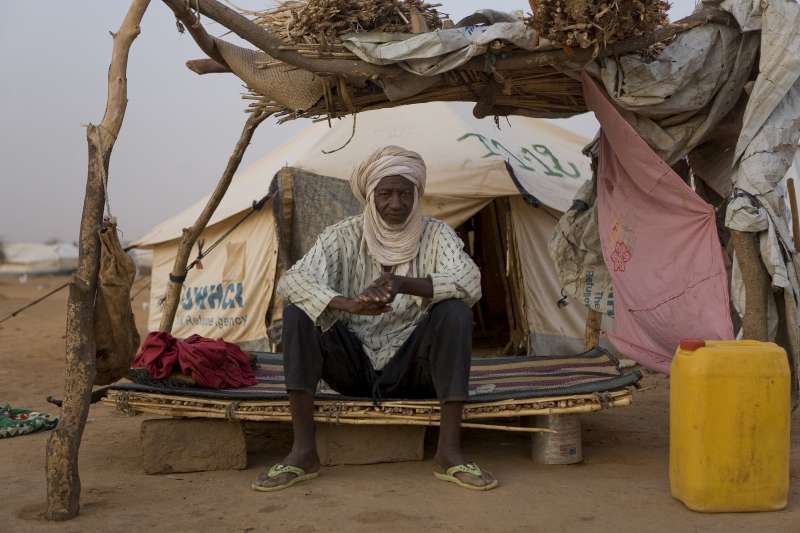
(390,244)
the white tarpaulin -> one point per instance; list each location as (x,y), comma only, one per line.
(32,258)
(431,53)
(465,158)
(466,170)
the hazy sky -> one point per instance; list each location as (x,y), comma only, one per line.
(179,128)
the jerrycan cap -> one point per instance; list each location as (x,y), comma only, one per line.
(691,345)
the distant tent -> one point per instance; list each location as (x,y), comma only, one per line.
(38,259)
(469,187)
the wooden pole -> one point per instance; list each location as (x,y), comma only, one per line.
(594,321)
(63,480)
(795,223)
(190,235)
(756,284)
(266,41)
(207,66)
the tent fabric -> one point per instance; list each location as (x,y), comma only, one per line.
(465,158)
(230,295)
(466,161)
(553,328)
(660,244)
(32,258)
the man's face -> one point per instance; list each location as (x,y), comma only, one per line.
(394,199)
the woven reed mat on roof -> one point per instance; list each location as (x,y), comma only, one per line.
(539,92)
(586,23)
(291,88)
(407,412)
(323,21)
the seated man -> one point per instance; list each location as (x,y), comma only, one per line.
(380,307)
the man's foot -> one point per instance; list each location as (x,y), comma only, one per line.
(294,469)
(468,475)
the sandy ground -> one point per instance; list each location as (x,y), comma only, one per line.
(622,485)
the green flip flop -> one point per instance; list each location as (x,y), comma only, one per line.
(300,475)
(470,469)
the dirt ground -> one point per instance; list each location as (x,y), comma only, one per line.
(621,486)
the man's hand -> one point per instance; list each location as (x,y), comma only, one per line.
(357,307)
(383,290)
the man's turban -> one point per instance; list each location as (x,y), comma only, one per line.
(390,244)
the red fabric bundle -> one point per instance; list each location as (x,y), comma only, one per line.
(214,364)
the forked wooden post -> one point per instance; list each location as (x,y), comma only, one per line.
(190,235)
(756,285)
(63,481)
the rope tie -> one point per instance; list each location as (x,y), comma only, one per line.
(230,411)
(122,404)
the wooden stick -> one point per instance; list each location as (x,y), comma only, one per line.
(269,43)
(756,285)
(63,446)
(279,410)
(594,321)
(190,235)
(207,66)
(583,56)
(795,223)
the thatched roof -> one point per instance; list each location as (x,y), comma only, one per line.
(540,81)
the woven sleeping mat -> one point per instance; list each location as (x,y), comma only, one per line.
(491,379)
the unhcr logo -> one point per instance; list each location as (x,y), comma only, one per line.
(219,296)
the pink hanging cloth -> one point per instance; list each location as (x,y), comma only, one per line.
(660,245)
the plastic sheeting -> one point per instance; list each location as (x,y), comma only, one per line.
(432,53)
(575,248)
(675,100)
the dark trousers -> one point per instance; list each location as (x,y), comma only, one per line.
(433,363)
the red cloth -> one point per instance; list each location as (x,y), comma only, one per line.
(660,245)
(214,364)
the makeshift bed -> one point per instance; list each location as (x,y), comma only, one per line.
(500,387)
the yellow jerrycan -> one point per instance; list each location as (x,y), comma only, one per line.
(729,420)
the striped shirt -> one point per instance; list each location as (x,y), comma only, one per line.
(339,265)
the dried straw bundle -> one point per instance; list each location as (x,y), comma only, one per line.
(323,21)
(585,24)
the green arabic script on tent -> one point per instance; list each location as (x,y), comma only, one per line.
(536,158)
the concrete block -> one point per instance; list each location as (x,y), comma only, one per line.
(274,438)
(346,444)
(192,445)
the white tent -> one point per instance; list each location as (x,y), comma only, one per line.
(38,259)
(466,161)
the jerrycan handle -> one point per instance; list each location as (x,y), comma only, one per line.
(690,345)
